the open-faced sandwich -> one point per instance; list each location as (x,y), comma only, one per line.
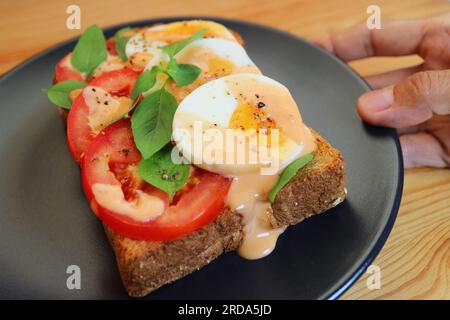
(186,149)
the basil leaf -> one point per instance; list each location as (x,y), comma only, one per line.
(121,42)
(59,93)
(175,47)
(120,32)
(144,82)
(151,122)
(288,173)
(160,171)
(90,50)
(182,74)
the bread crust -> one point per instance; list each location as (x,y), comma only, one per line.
(145,266)
(317,187)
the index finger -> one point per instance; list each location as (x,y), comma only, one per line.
(401,37)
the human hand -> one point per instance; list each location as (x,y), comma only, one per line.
(414,100)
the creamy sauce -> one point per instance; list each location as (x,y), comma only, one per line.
(248,196)
(103,107)
(260,237)
(110,64)
(144,208)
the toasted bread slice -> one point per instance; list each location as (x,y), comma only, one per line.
(147,265)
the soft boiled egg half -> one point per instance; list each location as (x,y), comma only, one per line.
(218,56)
(144,48)
(179,30)
(241,123)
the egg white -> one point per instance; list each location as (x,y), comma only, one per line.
(231,51)
(139,44)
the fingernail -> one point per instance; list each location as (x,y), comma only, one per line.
(376,100)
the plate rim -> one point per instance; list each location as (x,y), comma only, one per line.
(338,289)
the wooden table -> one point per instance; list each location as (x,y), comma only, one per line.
(415,262)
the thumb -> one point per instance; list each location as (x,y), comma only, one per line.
(408,103)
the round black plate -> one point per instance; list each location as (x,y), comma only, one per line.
(46,223)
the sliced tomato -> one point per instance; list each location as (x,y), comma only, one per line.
(65,71)
(118,83)
(111,46)
(110,159)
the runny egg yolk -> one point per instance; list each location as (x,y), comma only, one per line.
(248,116)
(220,66)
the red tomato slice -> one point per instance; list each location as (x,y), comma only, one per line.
(118,83)
(111,46)
(65,71)
(112,158)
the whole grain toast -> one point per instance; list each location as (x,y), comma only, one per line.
(147,265)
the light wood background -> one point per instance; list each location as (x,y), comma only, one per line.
(415,262)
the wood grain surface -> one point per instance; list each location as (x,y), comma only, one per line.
(415,262)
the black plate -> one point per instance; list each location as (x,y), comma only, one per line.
(46,224)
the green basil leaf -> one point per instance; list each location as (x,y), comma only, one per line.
(121,42)
(175,47)
(183,74)
(59,93)
(288,173)
(123,30)
(144,82)
(90,50)
(160,171)
(151,122)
